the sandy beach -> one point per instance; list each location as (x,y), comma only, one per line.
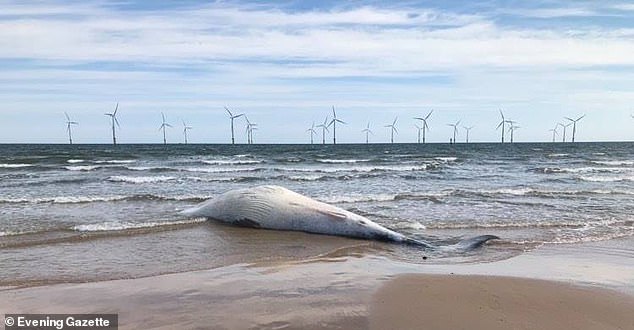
(591,288)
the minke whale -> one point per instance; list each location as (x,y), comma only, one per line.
(278,208)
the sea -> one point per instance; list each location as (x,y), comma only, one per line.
(77,213)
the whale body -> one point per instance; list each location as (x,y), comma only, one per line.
(278,208)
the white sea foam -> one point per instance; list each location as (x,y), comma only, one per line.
(232,162)
(614,162)
(220,170)
(116,161)
(75,161)
(140,179)
(116,226)
(352,198)
(589,178)
(342,161)
(558,155)
(15,165)
(83,167)
(446,159)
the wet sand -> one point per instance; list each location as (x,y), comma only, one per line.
(490,302)
(585,286)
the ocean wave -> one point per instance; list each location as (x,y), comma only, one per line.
(446,159)
(118,226)
(352,198)
(558,155)
(606,178)
(116,161)
(96,199)
(83,167)
(614,162)
(15,165)
(588,169)
(532,224)
(75,161)
(140,179)
(341,161)
(232,162)
(222,170)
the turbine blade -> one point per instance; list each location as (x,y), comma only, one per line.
(116,108)
(229,112)
(163,115)
(429,114)
(67,117)
(240,115)
(116,121)
(569,118)
(578,119)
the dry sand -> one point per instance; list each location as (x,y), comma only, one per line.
(485,302)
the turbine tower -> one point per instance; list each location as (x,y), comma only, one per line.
(324,128)
(113,118)
(367,131)
(334,122)
(574,126)
(554,130)
(564,126)
(467,129)
(312,132)
(69,123)
(185,128)
(501,124)
(418,129)
(455,129)
(512,128)
(423,125)
(232,117)
(392,129)
(249,130)
(163,126)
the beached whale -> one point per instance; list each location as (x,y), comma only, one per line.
(275,207)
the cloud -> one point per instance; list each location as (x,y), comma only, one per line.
(369,60)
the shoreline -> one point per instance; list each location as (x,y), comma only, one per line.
(331,291)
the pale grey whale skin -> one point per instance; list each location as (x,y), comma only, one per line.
(275,207)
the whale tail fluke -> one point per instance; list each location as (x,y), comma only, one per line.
(473,242)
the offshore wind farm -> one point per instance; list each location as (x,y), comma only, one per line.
(506,127)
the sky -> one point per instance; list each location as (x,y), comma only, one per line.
(285,64)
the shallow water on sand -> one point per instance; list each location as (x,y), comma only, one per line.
(83,213)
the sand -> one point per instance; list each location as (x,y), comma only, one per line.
(491,302)
(586,286)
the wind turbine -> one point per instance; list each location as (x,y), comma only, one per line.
(232,116)
(467,129)
(163,126)
(185,128)
(392,129)
(423,125)
(574,126)
(564,126)
(249,130)
(334,122)
(418,128)
(554,130)
(512,128)
(455,130)
(113,117)
(367,131)
(324,128)
(502,124)
(68,125)
(312,131)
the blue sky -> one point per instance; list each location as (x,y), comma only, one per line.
(286,63)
